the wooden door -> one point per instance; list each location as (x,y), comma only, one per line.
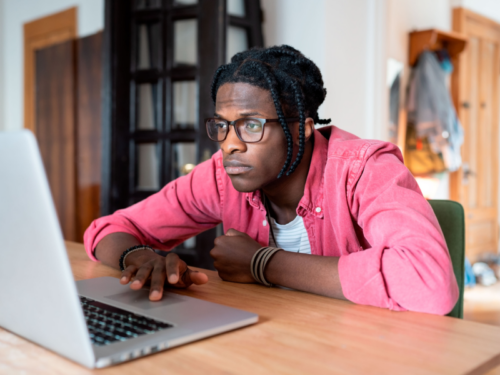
(475,93)
(68,80)
(41,33)
(55,128)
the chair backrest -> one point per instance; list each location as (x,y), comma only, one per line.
(451,218)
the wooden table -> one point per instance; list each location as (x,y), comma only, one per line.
(297,333)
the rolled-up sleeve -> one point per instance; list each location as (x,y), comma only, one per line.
(183,208)
(406,265)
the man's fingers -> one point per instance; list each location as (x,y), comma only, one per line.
(198,278)
(233,232)
(127,274)
(175,268)
(192,277)
(141,276)
(157,280)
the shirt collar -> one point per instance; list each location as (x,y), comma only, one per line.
(255,200)
(312,200)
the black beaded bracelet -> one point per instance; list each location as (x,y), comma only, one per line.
(130,250)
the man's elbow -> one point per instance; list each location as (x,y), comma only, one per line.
(439,300)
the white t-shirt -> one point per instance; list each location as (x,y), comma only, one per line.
(290,237)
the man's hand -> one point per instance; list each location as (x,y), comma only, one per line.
(146,265)
(232,256)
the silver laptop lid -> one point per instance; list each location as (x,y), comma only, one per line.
(37,294)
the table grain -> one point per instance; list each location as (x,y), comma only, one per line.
(297,333)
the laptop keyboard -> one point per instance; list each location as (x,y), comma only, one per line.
(108,324)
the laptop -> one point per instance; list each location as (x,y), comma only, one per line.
(95,322)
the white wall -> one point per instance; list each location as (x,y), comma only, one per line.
(290,22)
(354,66)
(2,34)
(405,16)
(346,40)
(487,8)
(15,14)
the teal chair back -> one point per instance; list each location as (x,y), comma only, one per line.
(451,218)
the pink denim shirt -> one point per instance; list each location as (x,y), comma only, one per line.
(360,203)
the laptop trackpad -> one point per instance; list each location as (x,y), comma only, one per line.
(140,299)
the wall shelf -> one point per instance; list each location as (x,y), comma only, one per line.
(433,40)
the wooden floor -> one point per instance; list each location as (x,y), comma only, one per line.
(482,304)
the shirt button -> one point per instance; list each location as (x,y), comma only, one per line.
(264,223)
(318,209)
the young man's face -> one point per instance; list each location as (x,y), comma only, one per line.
(251,166)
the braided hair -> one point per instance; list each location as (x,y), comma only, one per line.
(293,80)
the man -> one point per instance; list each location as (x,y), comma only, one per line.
(349,215)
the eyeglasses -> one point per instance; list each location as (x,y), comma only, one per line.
(248,129)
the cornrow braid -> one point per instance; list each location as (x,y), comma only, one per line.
(293,80)
(299,96)
(281,116)
(214,87)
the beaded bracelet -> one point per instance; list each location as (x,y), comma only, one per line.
(129,251)
(259,263)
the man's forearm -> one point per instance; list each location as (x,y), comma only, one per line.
(308,273)
(111,247)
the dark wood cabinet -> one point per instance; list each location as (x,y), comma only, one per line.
(160,56)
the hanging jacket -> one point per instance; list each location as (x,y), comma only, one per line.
(431,110)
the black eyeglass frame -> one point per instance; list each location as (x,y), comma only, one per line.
(263,121)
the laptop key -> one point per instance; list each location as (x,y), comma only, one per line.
(99,339)
(108,324)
